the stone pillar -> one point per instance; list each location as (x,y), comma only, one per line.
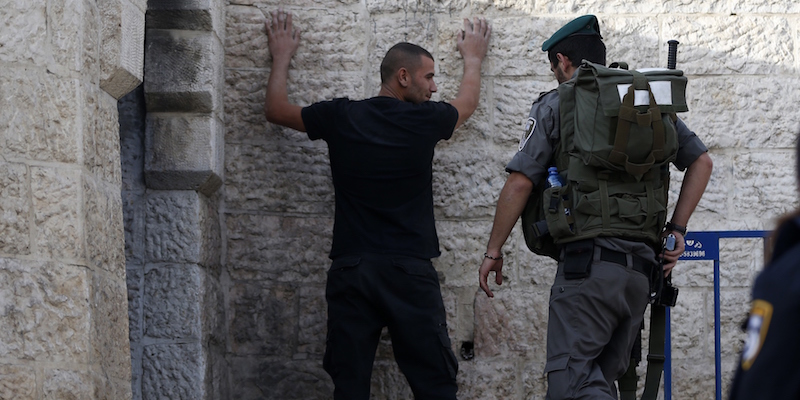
(172,217)
(63,320)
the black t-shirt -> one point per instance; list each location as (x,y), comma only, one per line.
(381,152)
(769,366)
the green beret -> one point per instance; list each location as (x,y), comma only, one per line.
(585,25)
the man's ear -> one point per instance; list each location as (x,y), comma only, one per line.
(403,77)
(563,62)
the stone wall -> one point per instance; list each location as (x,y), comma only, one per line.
(742,60)
(63,319)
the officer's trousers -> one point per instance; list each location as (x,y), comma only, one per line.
(592,325)
(367,292)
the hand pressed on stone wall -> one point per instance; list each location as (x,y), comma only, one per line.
(283,40)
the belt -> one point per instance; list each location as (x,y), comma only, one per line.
(640,263)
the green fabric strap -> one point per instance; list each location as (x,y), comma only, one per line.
(655,358)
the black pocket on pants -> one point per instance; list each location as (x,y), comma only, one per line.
(578,259)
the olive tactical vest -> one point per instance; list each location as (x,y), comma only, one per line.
(618,136)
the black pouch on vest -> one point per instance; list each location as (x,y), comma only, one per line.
(578,259)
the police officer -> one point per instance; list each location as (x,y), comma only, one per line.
(769,366)
(593,320)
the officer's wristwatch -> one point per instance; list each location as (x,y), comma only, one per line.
(670,227)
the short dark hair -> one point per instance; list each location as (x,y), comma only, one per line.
(402,55)
(578,48)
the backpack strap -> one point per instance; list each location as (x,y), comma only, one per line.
(655,360)
(628,115)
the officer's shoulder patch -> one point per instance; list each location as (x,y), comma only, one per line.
(757,327)
(530,125)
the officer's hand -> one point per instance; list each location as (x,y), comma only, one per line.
(487,266)
(671,256)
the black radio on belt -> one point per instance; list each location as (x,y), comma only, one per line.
(669,293)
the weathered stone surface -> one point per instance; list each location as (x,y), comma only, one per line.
(734,44)
(280,176)
(131,110)
(24,33)
(105,234)
(182,73)
(244,99)
(45,311)
(17,382)
(488,378)
(64,20)
(101,142)
(183,152)
(111,336)
(174,371)
(122,35)
(259,378)
(312,323)
(716,111)
(39,116)
(513,323)
(263,319)
(56,206)
(15,203)
(196,15)
(464,184)
(135,285)
(282,249)
(511,105)
(753,197)
(173,301)
(175,227)
(65,384)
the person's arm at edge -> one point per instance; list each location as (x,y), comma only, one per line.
(694,185)
(283,41)
(473,42)
(510,205)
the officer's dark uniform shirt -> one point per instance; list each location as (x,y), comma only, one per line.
(543,132)
(381,150)
(769,367)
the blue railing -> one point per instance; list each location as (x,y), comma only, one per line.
(705,246)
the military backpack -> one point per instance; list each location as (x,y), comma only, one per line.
(618,136)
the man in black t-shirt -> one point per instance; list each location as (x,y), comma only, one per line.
(381,151)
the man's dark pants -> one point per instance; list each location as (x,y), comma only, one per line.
(366,292)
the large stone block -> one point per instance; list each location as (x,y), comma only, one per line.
(724,45)
(194,15)
(66,384)
(244,101)
(39,115)
(281,177)
(15,221)
(184,71)
(59,231)
(122,37)
(44,311)
(135,286)
(263,319)
(732,111)
(183,152)
(489,379)
(283,249)
(173,301)
(268,379)
(753,197)
(101,139)
(110,340)
(511,324)
(105,234)
(312,323)
(174,371)
(132,124)
(17,382)
(64,20)
(177,224)
(24,32)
